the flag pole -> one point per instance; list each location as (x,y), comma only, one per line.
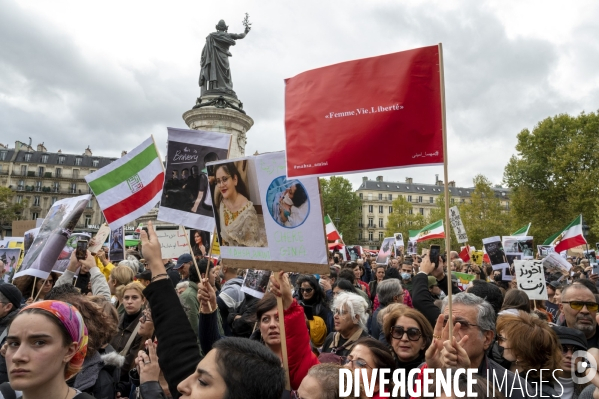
(158,152)
(445,176)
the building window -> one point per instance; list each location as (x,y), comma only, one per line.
(19,199)
(370,222)
(21,185)
(74,188)
(90,203)
(54,199)
(28,157)
(360,235)
(44,158)
(88,220)
(40,171)
(380,197)
(38,186)
(370,208)
(420,198)
(23,170)
(462,200)
(36,200)
(390,209)
(380,222)
(78,161)
(369,196)
(58,172)
(75,173)
(61,159)
(381,236)
(381,209)
(409,198)
(360,223)
(370,236)
(422,211)
(56,187)
(361,196)
(2,155)
(452,201)
(95,163)
(431,200)
(35,215)
(390,197)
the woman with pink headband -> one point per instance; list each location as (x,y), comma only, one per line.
(47,343)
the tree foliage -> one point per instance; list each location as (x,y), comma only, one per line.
(9,211)
(554,175)
(484,216)
(340,200)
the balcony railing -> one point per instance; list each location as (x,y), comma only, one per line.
(48,175)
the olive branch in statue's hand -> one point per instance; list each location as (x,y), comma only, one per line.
(246,22)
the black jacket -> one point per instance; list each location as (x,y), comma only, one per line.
(177,350)
(423,300)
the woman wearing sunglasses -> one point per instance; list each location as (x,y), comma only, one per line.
(369,354)
(409,333)
(311,294)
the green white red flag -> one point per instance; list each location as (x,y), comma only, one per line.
(522,231)
(130,186)
(569,237)
(430,232)
(332,233)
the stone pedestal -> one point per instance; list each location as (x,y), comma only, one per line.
(222,114)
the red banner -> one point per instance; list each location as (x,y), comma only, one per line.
(374,113)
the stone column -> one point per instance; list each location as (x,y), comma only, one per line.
(222,114)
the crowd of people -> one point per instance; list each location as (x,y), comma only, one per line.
(152,328)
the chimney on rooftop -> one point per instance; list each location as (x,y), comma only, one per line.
(409,180)
(452,183)
(88,152)
(364,178)
(41,148)
(379,178)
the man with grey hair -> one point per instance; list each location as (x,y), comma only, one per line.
(475,318)
(389,291)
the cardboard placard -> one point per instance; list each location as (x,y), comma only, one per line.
(531,279)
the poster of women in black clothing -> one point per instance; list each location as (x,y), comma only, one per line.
(186,198)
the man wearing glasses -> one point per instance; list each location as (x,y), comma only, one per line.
(580,310)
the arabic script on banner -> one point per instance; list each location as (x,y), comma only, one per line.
(530,278)
(458,226)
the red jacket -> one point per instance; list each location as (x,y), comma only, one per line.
(299,353)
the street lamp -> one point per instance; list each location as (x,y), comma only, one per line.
(585,234)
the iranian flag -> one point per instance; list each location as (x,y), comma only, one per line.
(430,232)
(332,233)
(523,231)
(569,237)
(129,187)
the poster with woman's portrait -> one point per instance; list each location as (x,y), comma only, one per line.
(268,220)
(116,246)
(495,251)
(200,243)
(186,198)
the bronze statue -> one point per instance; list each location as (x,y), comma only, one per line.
(215,76)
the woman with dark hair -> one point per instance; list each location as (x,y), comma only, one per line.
(369,354)
(379,276)
(239,223)
(312,297)
(201,243)
(516,299)
(25,284)
(296,199)
(343,285)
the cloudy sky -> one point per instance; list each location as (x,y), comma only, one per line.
(107,74)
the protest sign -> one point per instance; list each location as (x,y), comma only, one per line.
(386,251)
(399,245)
(186,198)
(266,220)
(172,242)
(116,246)
(495,252)
(64,257)
(255,282)
(464,279)
(100,238)
(52,237)
(531,278)
(199,241)
(477,257)
(544,250)
(506,274)
(458,226)
(10,257)
(511,256)
(522,244)
(412,249)
(402,87)
(553,309)
(215,247)
(555,263)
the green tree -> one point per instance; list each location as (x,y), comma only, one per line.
(9,211)
(403,219)
(340,201)
(483,216)
(554,175)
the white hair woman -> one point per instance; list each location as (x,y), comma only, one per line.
(350,324)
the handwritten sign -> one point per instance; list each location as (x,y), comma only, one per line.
(554,263)
(172,242)
(458,226)
(530,278)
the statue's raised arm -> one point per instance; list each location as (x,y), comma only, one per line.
(215,75)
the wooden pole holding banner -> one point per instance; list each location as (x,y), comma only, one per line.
(40,290)
(33,290)
(281,312)
(445,176)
